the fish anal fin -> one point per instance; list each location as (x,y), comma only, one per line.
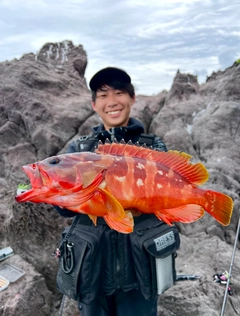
(185,214)
(124,225)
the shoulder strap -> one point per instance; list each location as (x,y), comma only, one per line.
(152,140)
(147,139)
(73,225)
(86,143)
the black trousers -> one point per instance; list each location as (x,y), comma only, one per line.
(131,303)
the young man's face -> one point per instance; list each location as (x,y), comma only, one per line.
(113,106)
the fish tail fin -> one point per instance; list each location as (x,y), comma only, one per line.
(219,205)
(124,225)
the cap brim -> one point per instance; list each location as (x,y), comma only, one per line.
(108,75)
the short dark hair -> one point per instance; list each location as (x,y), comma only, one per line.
(113,77)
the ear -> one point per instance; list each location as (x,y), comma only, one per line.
(94,106)
(133,100)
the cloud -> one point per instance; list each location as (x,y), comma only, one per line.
(150,40)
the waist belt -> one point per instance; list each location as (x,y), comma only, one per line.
(85,219)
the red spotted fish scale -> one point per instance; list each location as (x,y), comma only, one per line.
(120,179)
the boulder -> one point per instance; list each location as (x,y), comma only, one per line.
(45,104)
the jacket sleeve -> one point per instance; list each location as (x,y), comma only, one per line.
(64,212)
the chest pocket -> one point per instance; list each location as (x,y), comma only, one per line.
(154,246)
(86,143)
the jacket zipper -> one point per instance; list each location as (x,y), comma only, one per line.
(117,261)
(112,134)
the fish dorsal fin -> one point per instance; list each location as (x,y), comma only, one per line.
(178,161)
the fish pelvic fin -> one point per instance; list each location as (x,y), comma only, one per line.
(94,219)
(185,214)
(114,208)
(100,204)
(124,226)
(220,206)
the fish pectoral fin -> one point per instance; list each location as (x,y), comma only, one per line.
(80,195)
(114,208)
(124,225)
(185,214)
(93,185)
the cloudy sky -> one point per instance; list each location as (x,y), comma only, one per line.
(150,39)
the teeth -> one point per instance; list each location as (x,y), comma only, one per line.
(114,112)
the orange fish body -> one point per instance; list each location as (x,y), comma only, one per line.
(119,179)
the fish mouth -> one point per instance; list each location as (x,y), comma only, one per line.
(33,173)
(24,195)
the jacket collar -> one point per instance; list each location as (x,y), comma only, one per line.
(129,132)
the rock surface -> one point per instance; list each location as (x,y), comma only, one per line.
(44,104)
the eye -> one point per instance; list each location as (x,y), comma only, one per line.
(54,161)
(101,96)
(119,93)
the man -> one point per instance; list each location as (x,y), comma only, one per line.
(119,292)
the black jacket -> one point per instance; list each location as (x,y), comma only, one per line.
(118,270)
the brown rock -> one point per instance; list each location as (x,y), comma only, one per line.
(45,104)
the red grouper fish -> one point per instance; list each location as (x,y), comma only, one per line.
(120,178)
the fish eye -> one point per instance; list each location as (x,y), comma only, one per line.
(54,161)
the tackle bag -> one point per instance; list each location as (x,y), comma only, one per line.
(78,274)
(154,246)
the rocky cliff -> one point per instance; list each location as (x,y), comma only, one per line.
(44,104)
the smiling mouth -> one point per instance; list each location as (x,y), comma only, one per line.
(114,112)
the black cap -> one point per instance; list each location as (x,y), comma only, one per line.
(108,75)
